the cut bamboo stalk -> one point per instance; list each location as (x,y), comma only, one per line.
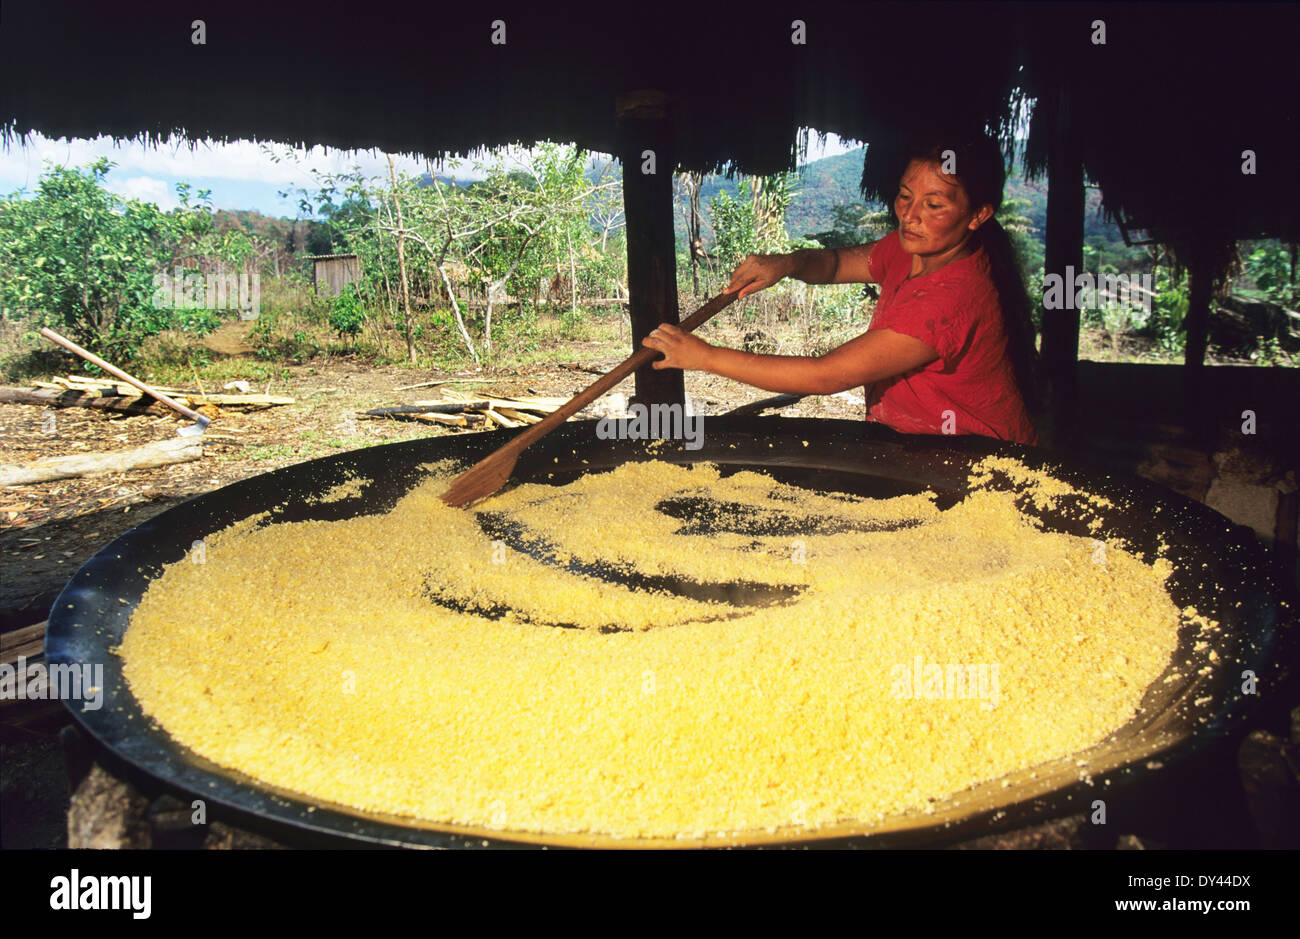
(200,422)
(450,420)
(79,383)
(545,405)
(433,407)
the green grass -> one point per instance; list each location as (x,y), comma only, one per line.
(260,452)
(32,365)
(550,354)
(214,374)
(292,336)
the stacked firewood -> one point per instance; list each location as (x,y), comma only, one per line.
(62,392)
(472,410)
(119,397)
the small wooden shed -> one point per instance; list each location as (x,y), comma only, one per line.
(331,271)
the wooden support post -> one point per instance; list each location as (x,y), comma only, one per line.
(1199,290)
(645,149)
(1197,405)
(1064,249)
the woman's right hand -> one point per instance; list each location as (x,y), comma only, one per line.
(759,271)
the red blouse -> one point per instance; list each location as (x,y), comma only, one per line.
(971,388)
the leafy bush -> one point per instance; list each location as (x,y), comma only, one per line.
(1168,322)
(752,223)
(1268,268)
(571,323)
(842,304)
(82,260)
(346,313)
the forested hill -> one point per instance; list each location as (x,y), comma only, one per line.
(823,185)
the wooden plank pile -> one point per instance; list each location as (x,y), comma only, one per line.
(111,395)
(24,649)
(472,409)
(81,386)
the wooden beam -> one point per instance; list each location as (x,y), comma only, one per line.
(77,399)
(1064,250)
(1199,291)
(27,642)
(249,400)
(1196,395)
(645,144)
(161,453)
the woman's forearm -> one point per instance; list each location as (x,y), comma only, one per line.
(874,356)
(813,266)
(784,374)
(848,265)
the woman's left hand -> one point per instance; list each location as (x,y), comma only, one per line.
(680,348)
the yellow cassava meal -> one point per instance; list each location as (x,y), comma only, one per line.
(402,663)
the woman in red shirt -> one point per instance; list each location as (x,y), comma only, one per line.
(950,348)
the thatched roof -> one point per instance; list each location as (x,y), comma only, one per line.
(1167,105)
(427,79)
(1167,108)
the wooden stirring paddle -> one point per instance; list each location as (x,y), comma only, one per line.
(491,473)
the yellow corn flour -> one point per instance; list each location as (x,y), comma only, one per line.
(409,664)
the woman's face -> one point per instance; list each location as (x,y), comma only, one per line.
(934,212)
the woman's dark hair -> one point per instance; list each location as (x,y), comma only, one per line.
(979,168)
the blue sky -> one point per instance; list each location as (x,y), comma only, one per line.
(241,175)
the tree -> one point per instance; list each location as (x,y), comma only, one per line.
(855,224)
(534,216)
(80,259)
(1015,221)
(1271,268)
(691,184)
(346,314)
(512,227)
(754,223)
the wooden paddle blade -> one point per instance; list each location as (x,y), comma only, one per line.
(482,479)
(490,474)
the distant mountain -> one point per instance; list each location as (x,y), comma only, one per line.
(823,186)
(427,180)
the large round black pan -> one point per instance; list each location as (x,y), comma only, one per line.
(1220,569)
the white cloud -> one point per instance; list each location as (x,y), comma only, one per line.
(242,173)
(150,172)
(831,145)
(21,165)
(144,188)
